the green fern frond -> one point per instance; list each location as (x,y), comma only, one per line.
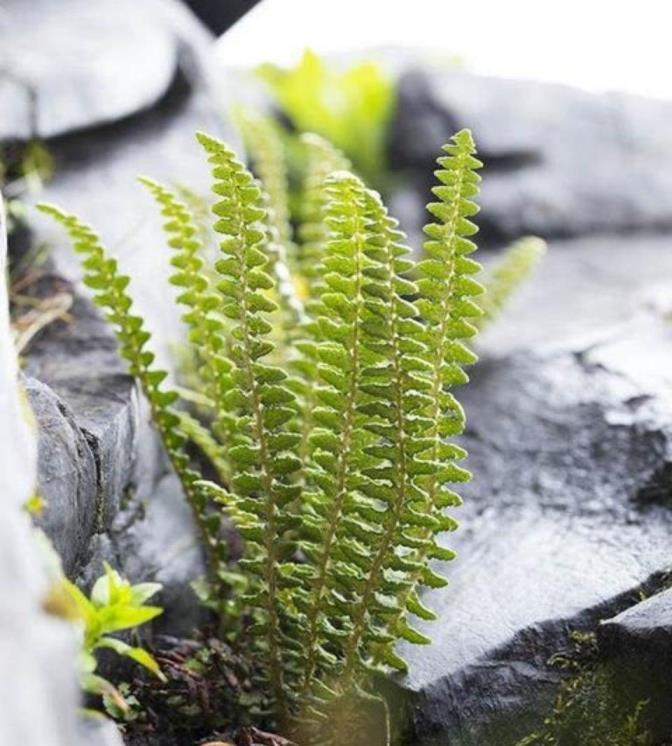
(338,438)
(101,274)
(447,288)
(206,328)
(322,159)
(517,263)
(263,142)
(264,460)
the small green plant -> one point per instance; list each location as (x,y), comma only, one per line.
(333,444)
(350,108)
(114,605)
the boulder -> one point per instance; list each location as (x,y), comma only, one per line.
(638,645)
(218,16)
(38,689)
(568,515)
(559,161)
(70,65)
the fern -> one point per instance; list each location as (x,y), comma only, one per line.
(518,262)
(338,479)
(262,139)
(264,455)
(322,159)
(102,275)
(350,108)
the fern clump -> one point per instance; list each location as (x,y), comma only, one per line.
(333,441)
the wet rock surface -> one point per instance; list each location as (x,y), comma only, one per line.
(559,161)
(638,644)
(569,513)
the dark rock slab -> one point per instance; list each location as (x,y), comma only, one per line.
(559,161)
(638,645)
(569,513)
(219,16)
(70,64)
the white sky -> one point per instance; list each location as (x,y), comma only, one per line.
(595,44)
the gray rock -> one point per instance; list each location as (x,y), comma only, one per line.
(559,161)
(219,16)
(38,689)
(96,178)
(69,65)
(568,516)
(98,731)
(638,644)
(156,540)
(67,476)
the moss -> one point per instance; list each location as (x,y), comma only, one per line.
(586,709)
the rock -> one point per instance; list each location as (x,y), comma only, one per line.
(164,546)
(67,476)
(638,644)
(98,731)
(99,50)
(95,177)
(218,16)
(38,689)
(568,516)
(559,161)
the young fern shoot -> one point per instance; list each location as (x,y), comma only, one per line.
(517,263)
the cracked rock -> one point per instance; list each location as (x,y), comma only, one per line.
(67,477)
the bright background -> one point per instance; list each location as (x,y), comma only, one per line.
(594,44)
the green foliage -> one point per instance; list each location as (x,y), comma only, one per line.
(333,445)
(517,263)
(586,710)
(102,275)
(351,109)
(262,138)
(113,606)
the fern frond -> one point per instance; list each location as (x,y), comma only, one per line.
(447,288)
(102,275)
(263,457)
(263,142)
(207,332)
(338,438)
(322,159)
(517,263)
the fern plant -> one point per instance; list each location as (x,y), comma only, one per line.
(333,444)
(351,108)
